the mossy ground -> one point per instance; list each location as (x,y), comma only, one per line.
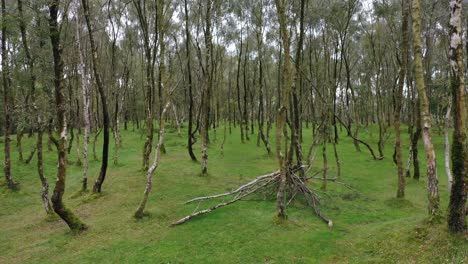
(370,225)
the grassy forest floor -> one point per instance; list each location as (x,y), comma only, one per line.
(370,225)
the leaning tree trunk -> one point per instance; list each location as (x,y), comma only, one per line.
(6,95)
(86,108)
(105,147)
(458,195)
(149,174)
(73,222)
(432,181)
(399,100)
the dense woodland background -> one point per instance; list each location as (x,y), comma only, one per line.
(117,112)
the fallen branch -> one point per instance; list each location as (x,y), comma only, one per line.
(335,180)
(185,219)
(241,188)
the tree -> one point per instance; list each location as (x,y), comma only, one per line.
(86,105)
(32,78)
(67,215)
(190,132)
(148,23)
(94,55)
(6,96)
(457,204)
(399,99)
(207,83)
(432,181)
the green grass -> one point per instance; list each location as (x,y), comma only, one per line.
(370,225)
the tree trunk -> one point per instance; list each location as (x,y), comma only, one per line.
(447,146)
(105,147)
(281,6)
(73,222)
(239,60)
(149,174)
(149,81)
(86,107)
(190,84)
(457,203)
(40,171)
(399,99)
(432,181)
(6,96)
(207,88)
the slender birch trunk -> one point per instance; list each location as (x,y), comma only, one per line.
(447,146)
(139,213)
(432,180)
(86,107)
(399,99)
(458,195)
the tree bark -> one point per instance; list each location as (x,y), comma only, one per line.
(207,87)
(399,99)
(432,181)
(458,195)
(68,216)
(105,147)
(239,60)
(447,146)
(281,6)
(86,107)
(190,92)
(149,174)
(6,96)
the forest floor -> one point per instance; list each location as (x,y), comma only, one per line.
(370,225)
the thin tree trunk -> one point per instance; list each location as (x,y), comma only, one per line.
(68,216)
(281,6)
(458,195)
(6,95)
(207,88)
(40,171)
(432,181)
(241,125)
(399,100)
(296,131)
(149,174)
(19,144)
(149,81)
(447,146)
(190,84)
(105,147)
(86,107)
